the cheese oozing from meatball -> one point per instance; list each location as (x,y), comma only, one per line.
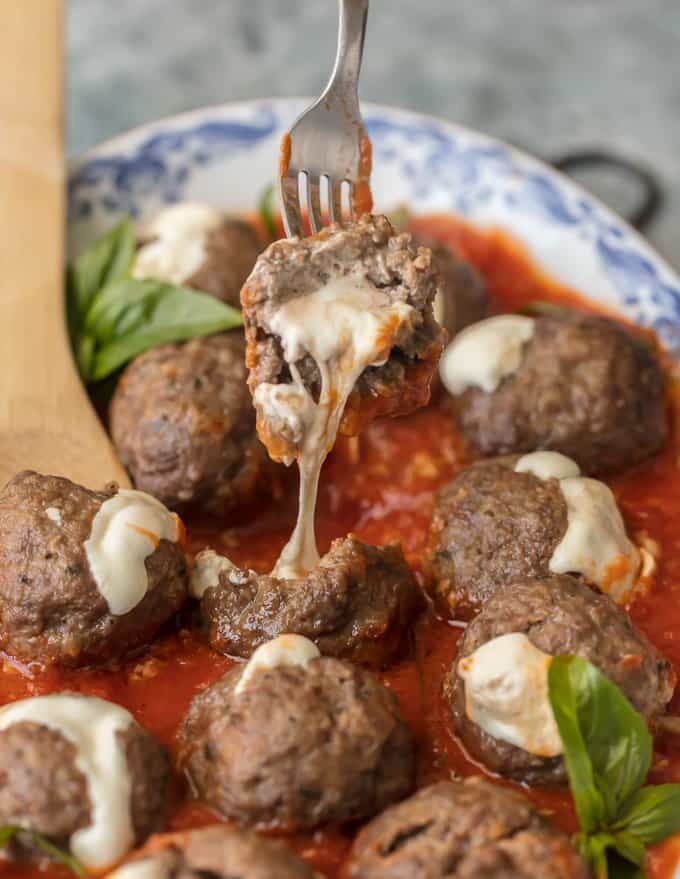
(506,694)
(284,650)
(178,236)
(206,571)
(482,355)
(126,529)
(595,543)
(345,326)
(92,725)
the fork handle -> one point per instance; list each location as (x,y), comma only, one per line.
(344,81)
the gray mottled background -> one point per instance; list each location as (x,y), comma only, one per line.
(549,75)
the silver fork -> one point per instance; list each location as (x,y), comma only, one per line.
(327,146)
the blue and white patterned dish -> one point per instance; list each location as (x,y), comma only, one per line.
(226,155)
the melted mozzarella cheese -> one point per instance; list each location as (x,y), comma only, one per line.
(595,543)
(547,465)
(54,514)
(482,355)
(145,868)
(345,326)
(177,247)
(284,650)
(126,529)
(506,694)
(206,570)
(92,726)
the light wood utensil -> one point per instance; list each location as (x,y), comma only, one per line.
(46,420)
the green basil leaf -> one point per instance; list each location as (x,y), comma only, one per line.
(132,316)
(630,847)
(107,260)
(59,856)
(652,814)
(267,212)
(615,736)
(564,699)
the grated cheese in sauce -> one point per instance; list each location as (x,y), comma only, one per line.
(126,529)
(284,650)
(506,694)
(92,726)
(483,354)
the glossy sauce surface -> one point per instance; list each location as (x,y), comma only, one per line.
(380,485)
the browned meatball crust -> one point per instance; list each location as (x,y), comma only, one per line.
(50,608)
(221,852)
(298,747)
(230,253)
(357,604)
(585,387)
(491,525)
(297,267)
(463,299)
(463,830)
(183,424)
(42,789)
(559,615)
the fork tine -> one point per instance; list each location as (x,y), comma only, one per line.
(334,201)
(290,205)
(314,203)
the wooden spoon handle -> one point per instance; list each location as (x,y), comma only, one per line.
(46,420)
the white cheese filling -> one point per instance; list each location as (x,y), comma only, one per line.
(345,326)
(126,529)
(206,571)
(91,725)
(145,868)
(284,650)
(482,355)
(177,247)
(595,543)
(506,694)
(54,513)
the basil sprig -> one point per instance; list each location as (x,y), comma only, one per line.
(608,754)
(9,831)
(113,317)
(266,208)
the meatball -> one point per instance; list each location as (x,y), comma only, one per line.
(528,516)
(54,608)
(184,426)
(357,604)
(579,384)
(463,299)
(559,615)
(463,830)
(198,246)
(61,762)
(368,297)
(219,852)
(295,746)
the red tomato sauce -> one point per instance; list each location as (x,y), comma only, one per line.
(381,485)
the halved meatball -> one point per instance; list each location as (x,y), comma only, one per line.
(51,608)
(559,615)
(463,298)
(45,788)
(463,830)
(584,386)
(183,424)
(218,852)
(297,746)
(382,266)
(357,604)
(200,247)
